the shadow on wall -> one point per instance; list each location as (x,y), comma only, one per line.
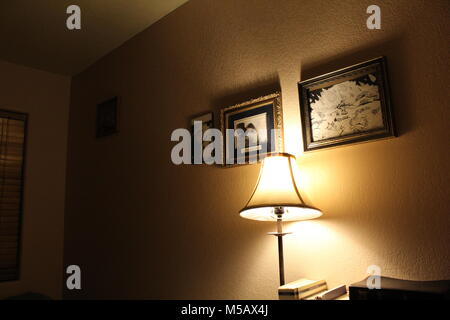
(252,90)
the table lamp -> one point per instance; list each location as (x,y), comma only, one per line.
(276,198)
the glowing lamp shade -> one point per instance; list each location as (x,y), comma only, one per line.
(276,198)
(276,195)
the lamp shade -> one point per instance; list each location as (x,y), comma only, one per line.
(276,188)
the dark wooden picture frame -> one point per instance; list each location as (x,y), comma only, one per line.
(269,110)
(346,106)
(107,118)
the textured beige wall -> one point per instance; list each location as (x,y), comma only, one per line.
(45,98)
(141,227)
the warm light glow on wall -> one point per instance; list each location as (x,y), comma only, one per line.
(291,121)
(292,138)
(302,177)
(313,230)
(312,181)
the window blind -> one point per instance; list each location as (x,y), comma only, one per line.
(12,149)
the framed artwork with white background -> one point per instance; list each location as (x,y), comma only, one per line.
(346,106)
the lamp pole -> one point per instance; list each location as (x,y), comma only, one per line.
(279,234)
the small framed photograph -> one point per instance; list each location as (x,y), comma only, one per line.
(346,106)
(257,129)
(207,120)
(107,118)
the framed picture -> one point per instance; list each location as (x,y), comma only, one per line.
(107,118)
(346,106)
(207,120)
(264,116)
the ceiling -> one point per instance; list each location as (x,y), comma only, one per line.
(34,33)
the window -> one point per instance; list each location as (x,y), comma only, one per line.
(12,150)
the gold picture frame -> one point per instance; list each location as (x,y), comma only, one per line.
(263,114)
